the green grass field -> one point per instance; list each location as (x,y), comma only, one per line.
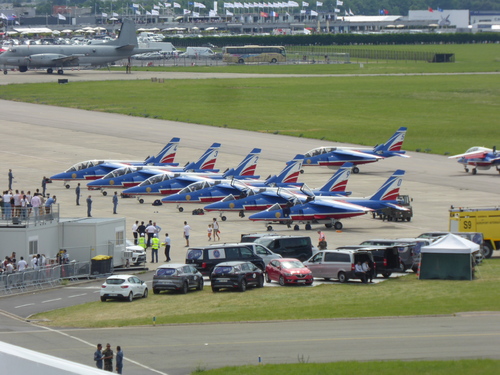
(395,297)
(444,114)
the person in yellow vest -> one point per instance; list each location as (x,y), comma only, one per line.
(142,241)
(155,244)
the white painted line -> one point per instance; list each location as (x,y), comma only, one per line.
(52,300)
(28,304)
(77,295)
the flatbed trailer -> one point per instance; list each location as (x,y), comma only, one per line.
(485,220)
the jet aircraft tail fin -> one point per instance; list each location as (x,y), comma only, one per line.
(206,161)
(394,144)
(390,189)
(166,155)
(247,167)
(127,35)
(338,182)
(289,174)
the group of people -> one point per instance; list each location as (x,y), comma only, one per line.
(104,358)
(10,264)
(364,271)
(148,235)
(22,205)
(89,201)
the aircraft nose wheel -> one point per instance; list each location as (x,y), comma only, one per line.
(67,186)
(5,72)
(104,193)
(223,218)
(141,201)
(355,170)
(180,209)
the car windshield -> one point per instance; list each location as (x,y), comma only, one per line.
(166,271)
(115,281)
(292,264)
(223,269)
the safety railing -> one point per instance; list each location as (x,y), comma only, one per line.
(45,277)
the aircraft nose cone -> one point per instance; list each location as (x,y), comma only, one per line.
(61,176)
(95,183)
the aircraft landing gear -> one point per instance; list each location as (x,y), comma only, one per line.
(355,169)
(466,170)
(104,192)
(242,213)
(60,71)
(50,71)
(180,208)
(474,171)
(67,186)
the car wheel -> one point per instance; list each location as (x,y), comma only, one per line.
(342,277)
(260,283)
(488,250)
(156,291)
(282,281)
(145,294)
(103,299)
(268,279)
(386,274)
(214,289)
(184,288)
(274,61)
(200,284)
(243,285)
(130,297)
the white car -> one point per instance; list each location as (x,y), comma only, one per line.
(123,287)
(136,254)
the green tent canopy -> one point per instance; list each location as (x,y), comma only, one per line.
(449,258)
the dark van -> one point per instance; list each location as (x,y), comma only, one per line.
(298,247)
(205,258)
(386,258)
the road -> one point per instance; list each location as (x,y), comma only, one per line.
(41,140)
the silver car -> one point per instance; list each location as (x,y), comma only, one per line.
(181,277)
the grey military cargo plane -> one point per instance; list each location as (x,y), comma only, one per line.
(60,56)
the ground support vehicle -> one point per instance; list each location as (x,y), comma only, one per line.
(393,214)
(484,220)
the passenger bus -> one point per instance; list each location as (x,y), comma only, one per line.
(250,54)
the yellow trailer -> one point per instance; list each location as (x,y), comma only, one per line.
(484,220)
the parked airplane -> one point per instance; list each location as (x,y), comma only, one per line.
(128,177)
(329,210)
(214,191)
(336,156)
(58,57)
(94,169)
(166,183)
(479,158)
(263,198)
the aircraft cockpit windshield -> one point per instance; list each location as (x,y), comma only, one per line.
(319,151)
(274,207)
(155,179)
(118,172)
(84,165)
(306,190)
(228,198)
(195,187)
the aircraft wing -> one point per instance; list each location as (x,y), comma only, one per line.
(356,154)
(65,59)
(470,155)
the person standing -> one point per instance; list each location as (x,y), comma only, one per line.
(119,360)
(35,204)
(89,206)
(7,213)
(141,229)
(44,185)
(108,358)
(187,232)
(77,192)
(150,231)
(22,265)
(216,230)
(167,247)
(98,356)
(48,204)
(11,177)
(209,232)
(134,231)
(155,245)
(115,202)
(322,245)
(142,241)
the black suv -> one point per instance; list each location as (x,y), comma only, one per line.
(205,258)
(236,275)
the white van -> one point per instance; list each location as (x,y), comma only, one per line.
(198,52)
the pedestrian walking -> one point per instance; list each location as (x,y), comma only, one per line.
(216,230)
(115,202)
(155,245)
(44,185)
(11,177)
(89,206)
(119,360)
(167,247)
(187,232)
(108,358)
(77,192)
(98,356)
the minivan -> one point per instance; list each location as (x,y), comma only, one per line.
(338,264)
(386,258)
(205,258)
(298,247)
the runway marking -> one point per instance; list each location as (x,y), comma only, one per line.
(52,300)
(83,287)
(77,295)
(28,304)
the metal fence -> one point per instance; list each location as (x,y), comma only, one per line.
(28,216)
(45,277)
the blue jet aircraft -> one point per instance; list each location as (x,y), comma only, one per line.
(329,210)
(479,158)
(336,156)
(94,169)
(259,199)
(214,191)
(129,176)
(167,183)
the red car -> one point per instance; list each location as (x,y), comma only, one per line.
(288,271)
